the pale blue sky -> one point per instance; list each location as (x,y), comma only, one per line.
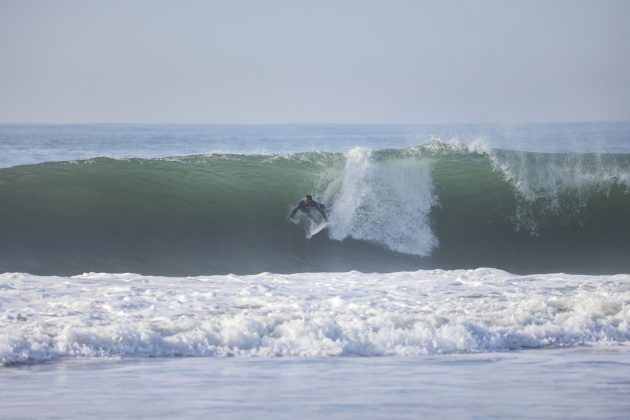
(314,61)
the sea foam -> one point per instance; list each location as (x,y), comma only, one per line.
(307,315)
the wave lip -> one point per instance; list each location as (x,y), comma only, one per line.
(307,315)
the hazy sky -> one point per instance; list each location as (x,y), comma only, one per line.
(314,61)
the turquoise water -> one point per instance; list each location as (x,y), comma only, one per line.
(441,205)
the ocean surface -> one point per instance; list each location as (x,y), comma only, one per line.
(502,251)
(199,200)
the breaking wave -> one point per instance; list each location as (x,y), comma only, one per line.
(446,205)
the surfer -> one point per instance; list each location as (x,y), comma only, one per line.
(307,204)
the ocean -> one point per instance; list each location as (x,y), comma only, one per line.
(467,271)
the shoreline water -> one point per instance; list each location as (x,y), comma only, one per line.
(579,382)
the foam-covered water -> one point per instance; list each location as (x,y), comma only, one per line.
(307,315)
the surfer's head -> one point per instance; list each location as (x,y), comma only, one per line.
(308,198)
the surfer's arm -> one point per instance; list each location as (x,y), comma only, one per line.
(295,210)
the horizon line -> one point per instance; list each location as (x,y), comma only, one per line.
(253,124)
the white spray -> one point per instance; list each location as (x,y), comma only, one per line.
(387,203)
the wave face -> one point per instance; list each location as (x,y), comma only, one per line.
(308,315)
(442,205)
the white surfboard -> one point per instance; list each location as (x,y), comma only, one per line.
(318,223)
(316,228)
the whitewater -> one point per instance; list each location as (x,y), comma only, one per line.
(479,259)
(308,315)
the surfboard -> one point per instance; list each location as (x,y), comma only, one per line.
(316,228)
(317,224)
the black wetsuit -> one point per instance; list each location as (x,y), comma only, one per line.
(312,205)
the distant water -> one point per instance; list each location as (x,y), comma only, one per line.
(198,200)
(22,144)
